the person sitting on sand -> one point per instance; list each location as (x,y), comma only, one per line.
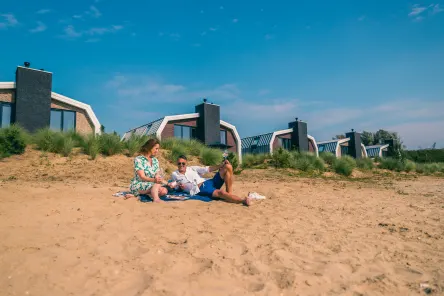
(147,179)
(190,180)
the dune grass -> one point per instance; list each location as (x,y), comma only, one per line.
(328,157)
(110,144)
(365,164)
(13,140)
(344,165)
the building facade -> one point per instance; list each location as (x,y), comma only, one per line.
(30,102)
(204,125)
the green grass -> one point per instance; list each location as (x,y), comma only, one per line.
(344,165)
(91,146)
(63,144)
(110,144)
(328,157)
(391,164)
(13,140)
(134,143)
(210,156)
(44,139)
(177,151)
(306,162)
(253,160)
(409,166)
(365,164)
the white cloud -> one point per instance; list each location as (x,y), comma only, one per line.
(41,27)
(70,32)
(417,10)
(420,134)
(212,29)
(437,9)
(9,20)
(235,20)
(361,18)
(43,11)
(94,12)
(263,92)
(92,40)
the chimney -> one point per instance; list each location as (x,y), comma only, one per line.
(32,98)
(354,146)
(299,139)
(208,123)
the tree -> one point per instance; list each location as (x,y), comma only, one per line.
(339,137)
(367,138)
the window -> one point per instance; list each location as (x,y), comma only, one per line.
(62,120)
(285,143)
(184,132)
(223,137)
(255,141)
(5,114)
(321,148)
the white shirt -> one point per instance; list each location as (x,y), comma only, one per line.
(191,179)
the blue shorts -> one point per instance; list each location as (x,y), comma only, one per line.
(209,186)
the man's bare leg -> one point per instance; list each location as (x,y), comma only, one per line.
(229,197)
(226,173)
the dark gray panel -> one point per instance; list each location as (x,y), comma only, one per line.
(299,139)
(391,147)
(208,123)
(354,146)
(33,98)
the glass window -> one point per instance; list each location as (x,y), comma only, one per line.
(321,148)
(55,122)
(186,132)
(286,143)
(6,111)
(178,131)
(62,120)
(255,141)
(223,137)
(69,120)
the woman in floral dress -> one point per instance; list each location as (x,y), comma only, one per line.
(146,178)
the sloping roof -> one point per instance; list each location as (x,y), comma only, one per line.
(262,140)
(147,129)
(331,145)
(58,97)
(375,150)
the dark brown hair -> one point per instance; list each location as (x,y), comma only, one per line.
(148,146)
(182,157)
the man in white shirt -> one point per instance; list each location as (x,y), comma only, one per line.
(189,179)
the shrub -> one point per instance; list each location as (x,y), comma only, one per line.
(344,165)
(232,158)
(210,156)
(45,139)
(13,140)
(77,138)
(251,160)
(377,159)
(110,144)
(306,162)
(194,147)
(391,164)
(63,144)
(425,155)
(365,163)
(328,157)
(169,143)
(282,158)
(431,168)
(134,143)
(91,146)
(177,151)
(409,166)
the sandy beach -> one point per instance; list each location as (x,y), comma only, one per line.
(63,233)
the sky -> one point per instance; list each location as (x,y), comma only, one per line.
(338,65)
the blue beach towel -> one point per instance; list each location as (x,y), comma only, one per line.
(174,196)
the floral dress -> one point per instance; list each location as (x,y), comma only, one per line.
(142,163)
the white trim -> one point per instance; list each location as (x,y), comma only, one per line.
(338,147)
(167,119)
(287,131)
(7,85)
(314,143)
(380,149)
(238,139)
(277,133)
(80,105)
(365,151)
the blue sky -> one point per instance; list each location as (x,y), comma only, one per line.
(335,64)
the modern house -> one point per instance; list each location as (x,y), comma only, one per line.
(294,137)
(204,125)
(30,102)
(350,145)
(377,150)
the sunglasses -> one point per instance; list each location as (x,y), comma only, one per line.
(181,163)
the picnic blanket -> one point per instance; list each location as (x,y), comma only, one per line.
(173,196)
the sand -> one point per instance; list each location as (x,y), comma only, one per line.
(63,233)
